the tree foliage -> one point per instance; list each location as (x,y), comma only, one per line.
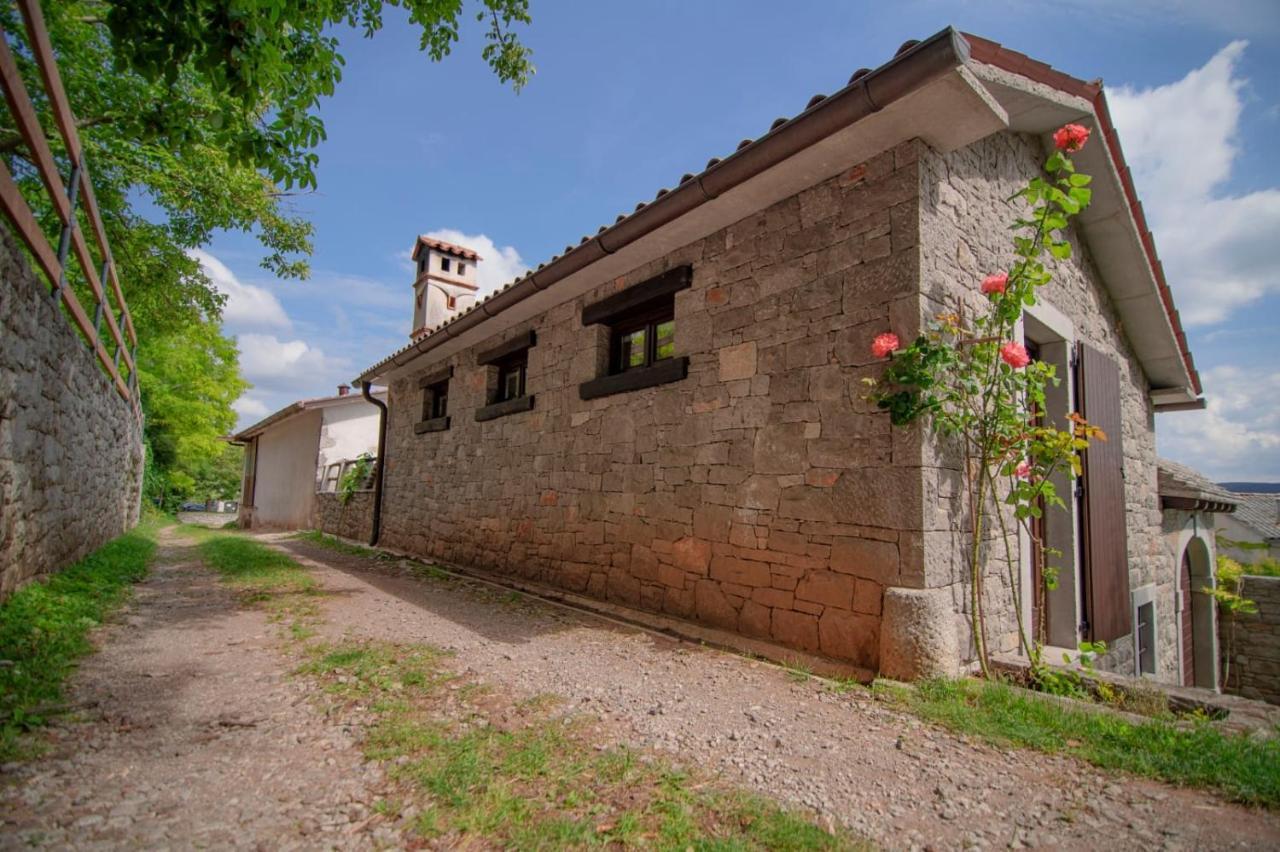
(199,116)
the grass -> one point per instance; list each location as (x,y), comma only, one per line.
(44,630)
(1241,768)
(337,545)
(264,576)
(533,780)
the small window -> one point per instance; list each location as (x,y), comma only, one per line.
(451,302)
(462,269)
(436,401)
(642,340)
(511,376)
(1146,637)
(422,264)
(444,264)
(331,476)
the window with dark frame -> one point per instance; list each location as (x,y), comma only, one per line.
(462,269)
(435,401)
(511,376)
(444,264)
(639,325)
(643,338)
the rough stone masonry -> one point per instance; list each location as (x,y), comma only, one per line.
(763,494)
(70,447)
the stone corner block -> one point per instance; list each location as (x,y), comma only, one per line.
(918,636)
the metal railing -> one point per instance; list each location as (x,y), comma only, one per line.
(99,271)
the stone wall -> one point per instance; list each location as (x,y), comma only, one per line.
(354,520)
(760,494)
(965,235)
(1255,661)
(70,447)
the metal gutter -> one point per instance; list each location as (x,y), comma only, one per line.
(914,66)
(376,524)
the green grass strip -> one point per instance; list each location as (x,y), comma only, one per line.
(337,545)
(1241,767)
(541,784)
(44,630)
(252,566)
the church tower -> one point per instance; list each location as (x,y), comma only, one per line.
(445,284)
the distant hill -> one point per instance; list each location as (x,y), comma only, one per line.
(1252,487)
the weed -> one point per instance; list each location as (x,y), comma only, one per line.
(798,672)
(330,542)
(44,629)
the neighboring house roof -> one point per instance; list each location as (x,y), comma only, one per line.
(1261,513)
(950,90)
(441,245)
(1182,487)
(298,407)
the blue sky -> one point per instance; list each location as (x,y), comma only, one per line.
(628,96)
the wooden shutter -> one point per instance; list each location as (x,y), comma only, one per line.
(1106,557)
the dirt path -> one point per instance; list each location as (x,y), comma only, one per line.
(877,770)
(193,736)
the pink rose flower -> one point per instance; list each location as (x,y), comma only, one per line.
(884,344)
(1015,355)
(995,283)
(1071,137)
(1023,470)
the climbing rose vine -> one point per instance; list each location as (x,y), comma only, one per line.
(970,376)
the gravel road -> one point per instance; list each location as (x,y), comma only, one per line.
(879,771)
(192,734)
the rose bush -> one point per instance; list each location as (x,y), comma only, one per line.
(972,378)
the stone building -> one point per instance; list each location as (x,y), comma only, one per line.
(1193,508)
(669,416)
(296,456)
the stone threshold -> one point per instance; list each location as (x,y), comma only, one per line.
(665,626)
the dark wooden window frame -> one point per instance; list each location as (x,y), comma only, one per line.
(511,356)
(435,414)
(641,306)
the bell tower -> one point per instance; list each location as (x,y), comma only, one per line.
(444,284)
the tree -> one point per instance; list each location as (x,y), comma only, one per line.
(198,116)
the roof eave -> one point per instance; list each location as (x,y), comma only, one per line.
(965,114)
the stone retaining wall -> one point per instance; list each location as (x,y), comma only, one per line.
(353,520)
(1255,662)
(70,447)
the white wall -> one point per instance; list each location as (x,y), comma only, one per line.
(285,484)
(347,430)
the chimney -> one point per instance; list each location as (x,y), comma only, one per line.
(445,283)
(343,390)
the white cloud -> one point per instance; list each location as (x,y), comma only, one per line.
(247,305)
(1235,437)
(1182,141)
(250,408)
(267,361)
(498,266)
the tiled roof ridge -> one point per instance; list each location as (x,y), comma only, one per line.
(445,246)
(991,52)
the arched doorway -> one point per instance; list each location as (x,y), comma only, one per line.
(1196,620)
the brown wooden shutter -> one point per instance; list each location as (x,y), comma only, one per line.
(1106,557)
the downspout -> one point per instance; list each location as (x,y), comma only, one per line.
(382,462)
